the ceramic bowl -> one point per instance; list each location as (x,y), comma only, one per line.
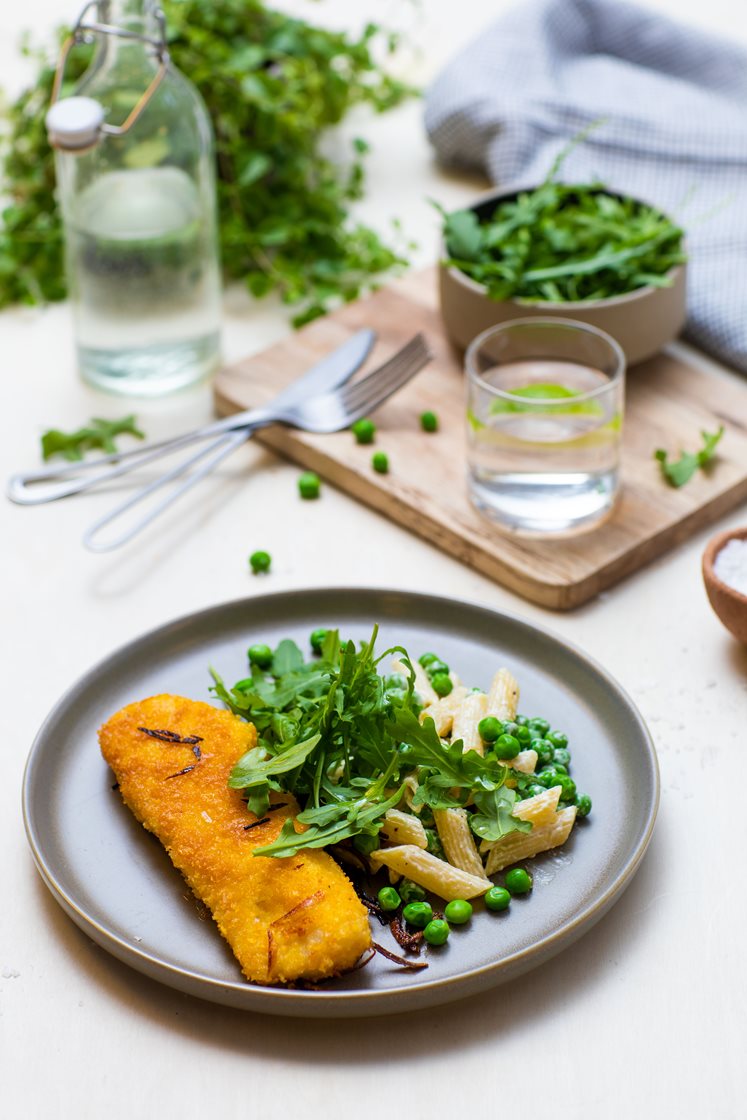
(729,605)
(643,321)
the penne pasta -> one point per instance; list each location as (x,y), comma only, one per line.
(411,784)
(403,828)
(525,762)
(503,696)
(430,872)
(472,708)
(524,845)
(539,809)
(458,841)
(443,710)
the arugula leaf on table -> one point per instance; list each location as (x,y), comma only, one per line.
(98,434)
(679,471)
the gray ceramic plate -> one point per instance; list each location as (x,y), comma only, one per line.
(114,880)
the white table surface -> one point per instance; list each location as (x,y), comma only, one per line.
(643,1017)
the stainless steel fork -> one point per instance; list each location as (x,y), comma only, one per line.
(328,412)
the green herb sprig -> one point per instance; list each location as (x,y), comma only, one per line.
(679,471)
(98,434)
(273,85)
(342,738)
(564,243)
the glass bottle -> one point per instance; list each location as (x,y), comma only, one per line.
(135,172)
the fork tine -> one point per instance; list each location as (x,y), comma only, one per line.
(380,384)
(370,393)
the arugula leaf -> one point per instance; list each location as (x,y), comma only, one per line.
(351,820)
(98,434)
(253,769)
(258,799)
(564,242)
(493,818)
(679,471)
(463,234)
(333,734)
(452,766)
(287,659)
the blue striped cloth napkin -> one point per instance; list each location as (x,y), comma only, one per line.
(674,103)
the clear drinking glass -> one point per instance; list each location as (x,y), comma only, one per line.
(544,424)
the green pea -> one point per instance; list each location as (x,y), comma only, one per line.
(561,756)
(506,747)
(429,421)
(309,485)
(535,789)
(411,892)
(436,932)
(557,738)
(364,430)
(395,680)
(380,462)
(545,751)
(437,666)
(489,729)
(497,899)
(426,658)
(524,736)
(540,725)
(418,914)
(316,640)
(458,911)
(521,720)
(547,777)
(260,561)
(441,684)
(518,881)
(260,655)
(389,899)
(567,788)
(583,805)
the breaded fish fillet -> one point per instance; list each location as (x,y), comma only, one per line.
(285,919)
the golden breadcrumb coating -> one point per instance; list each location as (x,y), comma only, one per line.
(285,919)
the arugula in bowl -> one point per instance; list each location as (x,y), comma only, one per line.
(563,243)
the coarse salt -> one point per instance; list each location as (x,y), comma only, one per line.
(730,565)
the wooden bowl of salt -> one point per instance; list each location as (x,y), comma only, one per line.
(725,578)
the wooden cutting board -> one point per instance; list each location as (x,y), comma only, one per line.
(668,402)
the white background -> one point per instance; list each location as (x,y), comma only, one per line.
(642,1018)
